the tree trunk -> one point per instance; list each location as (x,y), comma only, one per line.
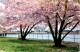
(28,29)
(57,43)
(22,34)
(22,38)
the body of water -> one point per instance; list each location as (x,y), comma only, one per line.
(48,36)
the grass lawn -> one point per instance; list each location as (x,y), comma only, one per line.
(15,45)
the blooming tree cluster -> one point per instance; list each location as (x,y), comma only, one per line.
(57,14)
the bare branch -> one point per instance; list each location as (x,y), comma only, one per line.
(33,26)
(71,15)
(67,24)
(57,15)
(70,30)
(26,31)
(56,29)
(21,29)
(24,28)
(65,9)
(50,27)
(60,30)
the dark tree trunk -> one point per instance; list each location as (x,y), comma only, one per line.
(23,38)
(22,34)
(57,43)
(26,32)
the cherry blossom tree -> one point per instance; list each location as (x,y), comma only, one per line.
(21,13)
(59,15)
(66,16)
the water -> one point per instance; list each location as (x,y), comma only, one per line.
(48,36)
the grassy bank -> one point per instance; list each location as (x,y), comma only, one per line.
(15,45)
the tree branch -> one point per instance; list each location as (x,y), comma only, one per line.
(65,9)
(50,27)
(60,30)
(57,15)
(70,30)
(32,27)
(24,28)
(56,29)
(67,24)
(71,15)
(26,31)
(21,30)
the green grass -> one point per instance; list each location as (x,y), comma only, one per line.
(15,45)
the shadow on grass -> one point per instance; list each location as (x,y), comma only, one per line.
(35,48)
(76,49)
